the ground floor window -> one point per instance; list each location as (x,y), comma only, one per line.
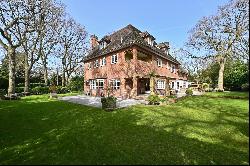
(92,84)
(96,84)
(115,84)
(178,85)
(173,85)
(100,83)
(160,84)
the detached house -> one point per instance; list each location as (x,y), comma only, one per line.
(129,63)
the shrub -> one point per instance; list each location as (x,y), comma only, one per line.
(154,100)
(76,84)
(189,92)
(2,93)
(19,89)
(52,89)
(61,90)
(108,103)
(245,87)
(40,90)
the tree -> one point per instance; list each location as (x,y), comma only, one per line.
(72,47)
(44,14)
(50,36)
(12,17)
(218,37)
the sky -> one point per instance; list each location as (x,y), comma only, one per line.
(166,20)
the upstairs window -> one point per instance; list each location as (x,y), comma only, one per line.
(96,63)
(168,66)
(159,62)
(89,65)
(173,68)
(160,84)
(103,61)
(114,59)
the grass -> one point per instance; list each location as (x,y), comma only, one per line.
(229,94)
(196,130)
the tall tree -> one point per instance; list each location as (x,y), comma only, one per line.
(218,36)
(13,17)
(50,36)
(44,14)
(72,47)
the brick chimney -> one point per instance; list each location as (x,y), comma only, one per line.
(93,41)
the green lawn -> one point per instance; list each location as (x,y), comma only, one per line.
(228,94)
(196,130)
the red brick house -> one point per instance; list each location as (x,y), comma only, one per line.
(129,63)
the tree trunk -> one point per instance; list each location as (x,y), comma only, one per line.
(63,79)
(221,74)
(45,75)
(57,77)
(12,70)
(26,75)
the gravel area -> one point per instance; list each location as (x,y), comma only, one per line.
(96,101)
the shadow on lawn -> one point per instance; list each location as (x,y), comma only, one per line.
(66,133)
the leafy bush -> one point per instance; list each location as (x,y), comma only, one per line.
(76,84)
(32,85)
(189,92)
(2,93)
(154,100)
(108,103)
(245,87)
(61,90)
(40,90)
(19,89)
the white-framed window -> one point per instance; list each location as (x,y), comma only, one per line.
(150,41)
(114,59)
(172,68)
(168,65)
(100,83)
(160,84)
(103,61)
(115,84)
(173,85)
(92,84)
(103,45)
(159,62)
(178,85)
(184,84)
(96,63)
(89,65)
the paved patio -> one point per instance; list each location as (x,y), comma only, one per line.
(96,101)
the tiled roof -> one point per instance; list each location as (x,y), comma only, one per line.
(129,35)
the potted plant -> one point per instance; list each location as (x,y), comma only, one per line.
(153,100)
(53,93)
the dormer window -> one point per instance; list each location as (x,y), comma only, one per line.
(103,45)
(159,62)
